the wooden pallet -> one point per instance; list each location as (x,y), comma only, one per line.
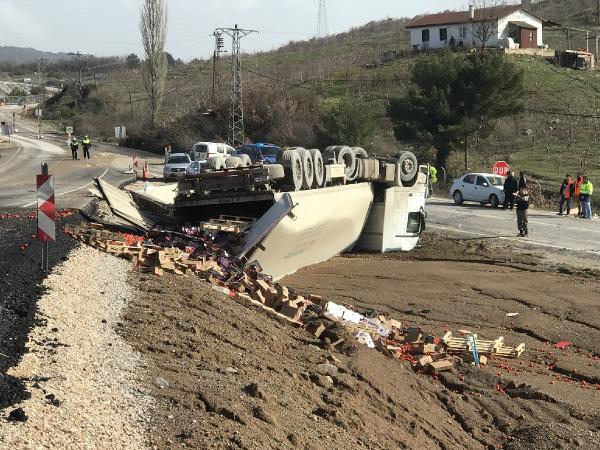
(495,347)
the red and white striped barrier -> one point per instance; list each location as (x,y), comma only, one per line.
(46,210)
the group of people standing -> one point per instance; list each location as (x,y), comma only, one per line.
(515,191)
(85,144)
(580,190)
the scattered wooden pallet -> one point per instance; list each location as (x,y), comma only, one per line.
(495,347)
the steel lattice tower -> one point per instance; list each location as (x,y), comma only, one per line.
(236,131)
(219,45)
(322,25)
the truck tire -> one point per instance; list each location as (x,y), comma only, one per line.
(307,167)
(408,166)
(246,161)
(233,162)
(360,152)
(294,173)
(276,171)
(318,167)
(215,163)
(346,156)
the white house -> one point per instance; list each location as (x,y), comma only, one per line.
(470,28)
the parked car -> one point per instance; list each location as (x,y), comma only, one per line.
(202,151)
(175,166)
(485,188)
(260,152)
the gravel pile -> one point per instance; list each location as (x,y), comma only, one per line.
(82,376)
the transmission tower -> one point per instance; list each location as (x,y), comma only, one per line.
(236,132)
(219,49)
(322,25)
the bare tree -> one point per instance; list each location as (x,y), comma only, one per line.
(485,21)
(153,26)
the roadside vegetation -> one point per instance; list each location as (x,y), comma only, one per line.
(321,91)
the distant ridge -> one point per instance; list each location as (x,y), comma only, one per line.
(21,55)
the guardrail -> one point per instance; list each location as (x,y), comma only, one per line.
(23,100)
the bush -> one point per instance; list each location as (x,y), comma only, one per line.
(351,123)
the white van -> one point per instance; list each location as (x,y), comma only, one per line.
(201,151)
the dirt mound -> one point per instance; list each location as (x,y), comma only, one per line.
(227,376)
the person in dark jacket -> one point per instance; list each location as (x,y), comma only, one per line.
(522,181)
(522,199)
(567,190)
(511,187)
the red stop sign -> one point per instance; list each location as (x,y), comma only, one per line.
(501,168)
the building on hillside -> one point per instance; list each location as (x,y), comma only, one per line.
(503,26)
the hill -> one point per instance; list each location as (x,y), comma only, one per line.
(22,55)
(287,90)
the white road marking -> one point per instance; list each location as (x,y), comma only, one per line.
(70,191)
(515,239)
(42,145)
(12,157)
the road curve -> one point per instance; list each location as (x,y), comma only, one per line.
(21,161)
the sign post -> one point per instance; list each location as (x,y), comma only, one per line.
(38,113)
(501,168)
(46,212)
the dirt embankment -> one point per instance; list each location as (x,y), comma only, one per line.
(226,376)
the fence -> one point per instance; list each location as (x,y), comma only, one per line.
(23,100)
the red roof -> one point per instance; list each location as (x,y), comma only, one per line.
(449,18)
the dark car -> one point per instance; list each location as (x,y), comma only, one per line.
(260,152)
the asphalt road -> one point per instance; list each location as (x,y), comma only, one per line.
(546,230)
(21,161)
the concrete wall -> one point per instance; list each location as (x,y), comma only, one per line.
(520,17)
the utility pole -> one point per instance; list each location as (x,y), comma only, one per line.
(322,23)
(40,74)
(219,48)
(236,132)
(78,86)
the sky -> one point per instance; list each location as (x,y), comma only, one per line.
(110,27)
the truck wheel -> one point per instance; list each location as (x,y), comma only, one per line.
(408,166)
(233,162)
(276,171)
(246,161)
(360,152)
(215,163)
(307,167)
(346,156)
(318,167)
(294,173)
(458,198)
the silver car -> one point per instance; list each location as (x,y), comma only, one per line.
(485,188)
(175,166)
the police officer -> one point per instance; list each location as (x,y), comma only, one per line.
(587,189)
(432,179)
(85,142)
(74,147)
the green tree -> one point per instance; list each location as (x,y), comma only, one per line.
(17,92)
(455,96)
(351,122)
(133,61)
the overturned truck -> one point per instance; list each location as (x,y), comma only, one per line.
(306,209)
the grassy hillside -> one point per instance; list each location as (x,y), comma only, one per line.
(285,89)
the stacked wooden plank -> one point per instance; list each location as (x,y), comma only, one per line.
(455,344)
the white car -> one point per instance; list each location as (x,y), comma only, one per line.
(485,188)
(202,151)
(175,166)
